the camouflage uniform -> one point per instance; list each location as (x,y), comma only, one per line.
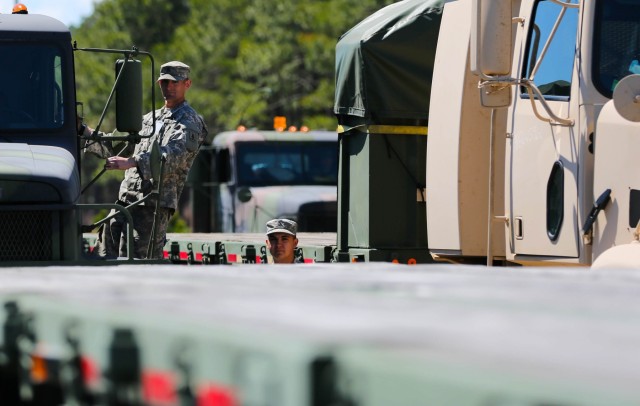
(180,132)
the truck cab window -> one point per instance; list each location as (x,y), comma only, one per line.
(551,72)
(616,43)
(31,96)
(286,163)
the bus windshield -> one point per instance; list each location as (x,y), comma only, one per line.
(287,163)
(616,43)
(31,93)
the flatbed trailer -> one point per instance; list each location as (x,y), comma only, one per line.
(371,334)
(226,248)
(234,248)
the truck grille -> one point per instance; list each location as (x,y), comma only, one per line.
(26,236)
(318,217)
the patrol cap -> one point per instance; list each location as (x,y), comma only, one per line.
(282,226)
(174,70)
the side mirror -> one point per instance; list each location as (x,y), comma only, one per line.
(129,96)
(626,98)
(491,37)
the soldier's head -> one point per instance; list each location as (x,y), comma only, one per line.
(282,240)
(174,82)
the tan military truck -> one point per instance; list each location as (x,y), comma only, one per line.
(533,130)
(532,113)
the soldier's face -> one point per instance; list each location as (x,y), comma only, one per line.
(173,91)
(282,247)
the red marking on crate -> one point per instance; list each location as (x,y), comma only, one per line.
(159,388)
(184,256)
(90,371)
(215,395)
(309,261)
(232,257)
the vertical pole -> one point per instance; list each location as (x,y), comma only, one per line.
(491,186)
(343,199)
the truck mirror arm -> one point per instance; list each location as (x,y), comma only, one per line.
(532,90)
(128,54)
(131,137)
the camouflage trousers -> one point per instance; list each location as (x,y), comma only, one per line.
(112,236)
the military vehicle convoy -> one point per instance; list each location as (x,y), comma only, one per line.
(469,131)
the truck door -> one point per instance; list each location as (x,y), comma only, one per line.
(542,157)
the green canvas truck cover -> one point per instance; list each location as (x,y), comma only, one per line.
(384,65)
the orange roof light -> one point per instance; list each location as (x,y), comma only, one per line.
(20,8)
(279,123)
(304,129)
(293,129)
(241,128)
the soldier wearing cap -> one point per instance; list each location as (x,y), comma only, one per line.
(282,241)
(180,132)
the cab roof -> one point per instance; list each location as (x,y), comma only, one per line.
(231,137)
(30,23)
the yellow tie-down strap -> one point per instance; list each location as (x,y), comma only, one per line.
(387,129)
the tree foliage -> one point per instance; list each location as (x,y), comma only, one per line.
(250,59)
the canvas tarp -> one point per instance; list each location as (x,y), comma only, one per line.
(384,65)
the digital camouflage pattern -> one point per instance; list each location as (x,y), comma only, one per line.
(282,226)
(112,237)
(174,70)
(180,132)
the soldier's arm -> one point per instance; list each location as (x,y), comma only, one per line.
(103,148)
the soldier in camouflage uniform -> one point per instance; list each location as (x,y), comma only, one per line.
(180,132)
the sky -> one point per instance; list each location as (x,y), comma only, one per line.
(70,12)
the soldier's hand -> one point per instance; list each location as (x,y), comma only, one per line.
(119,163)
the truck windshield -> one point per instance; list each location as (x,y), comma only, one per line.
(616,43)
(287,163)
(31,92)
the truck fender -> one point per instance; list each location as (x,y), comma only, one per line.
(625,256)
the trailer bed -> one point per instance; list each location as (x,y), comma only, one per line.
(372,334)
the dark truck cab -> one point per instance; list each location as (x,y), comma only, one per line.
(40,159)
(39,166)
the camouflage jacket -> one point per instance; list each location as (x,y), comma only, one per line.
(180,133)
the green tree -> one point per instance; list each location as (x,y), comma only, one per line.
(250,60)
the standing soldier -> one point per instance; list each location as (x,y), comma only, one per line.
(180,132)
